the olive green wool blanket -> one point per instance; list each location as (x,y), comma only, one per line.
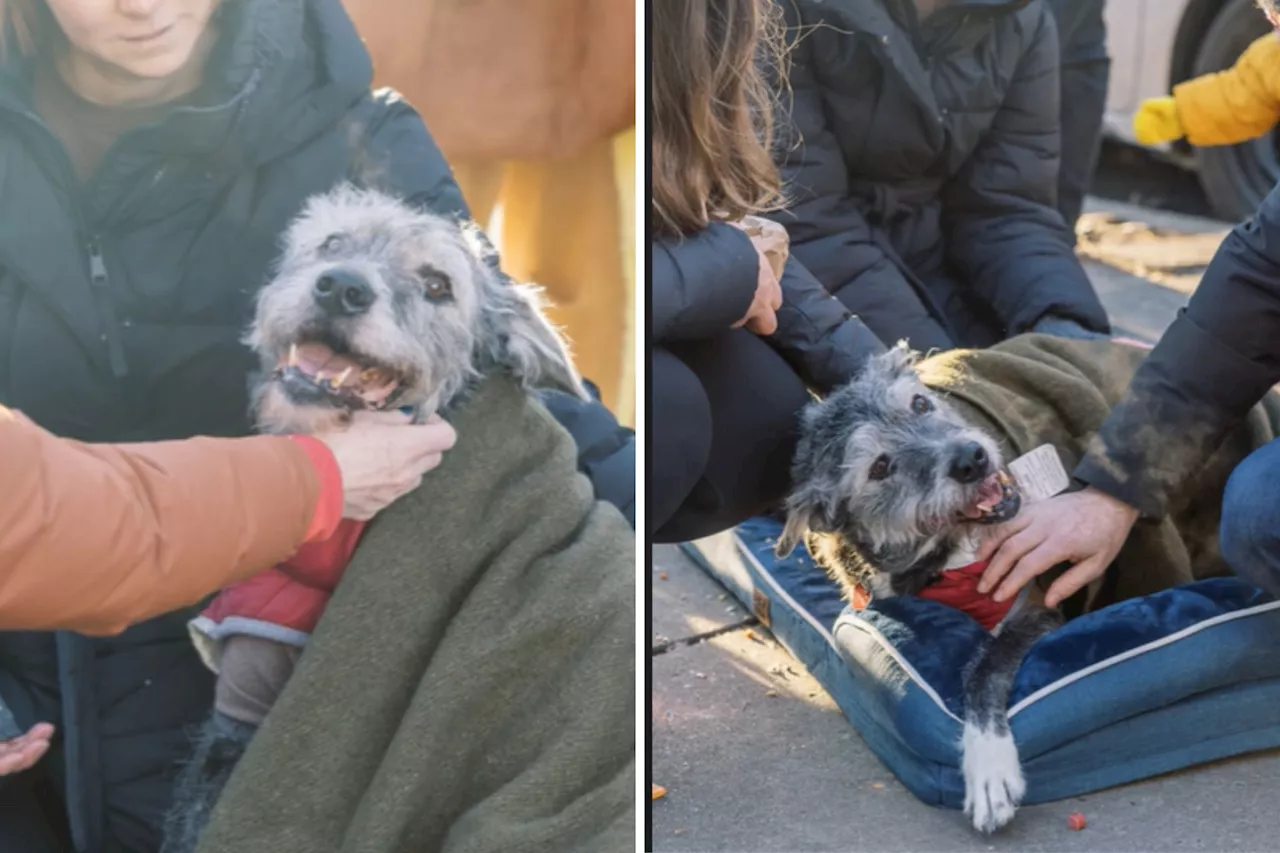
(471,687)
(1034,390)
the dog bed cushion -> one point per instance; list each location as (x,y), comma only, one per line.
(1140,688)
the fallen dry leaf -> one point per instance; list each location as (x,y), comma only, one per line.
(662,576)
(658,791)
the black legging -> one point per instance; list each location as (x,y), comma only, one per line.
(724,415)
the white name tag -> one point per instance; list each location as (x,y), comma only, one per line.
(1039,474)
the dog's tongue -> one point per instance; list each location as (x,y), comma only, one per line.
(374,385)
(990,493)
(314,359)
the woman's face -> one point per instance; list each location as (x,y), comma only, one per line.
(147,39)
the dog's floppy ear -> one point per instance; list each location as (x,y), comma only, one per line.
(792,532)
(896,361)
(813,502)
(807,511)
(519,339)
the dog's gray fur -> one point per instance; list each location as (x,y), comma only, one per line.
(895,535)
(219,744)
(441,347)
(902,526)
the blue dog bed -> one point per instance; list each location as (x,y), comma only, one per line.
(1140,688)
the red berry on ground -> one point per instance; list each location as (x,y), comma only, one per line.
(1077,822)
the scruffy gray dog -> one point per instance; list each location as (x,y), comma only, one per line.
(891,488)
(374,305)
(899,475)
(378,305)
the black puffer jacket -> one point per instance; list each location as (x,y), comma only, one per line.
(923,180)
(703,284)
(1216,361)
(121,307)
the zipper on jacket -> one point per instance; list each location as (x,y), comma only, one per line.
(61,173)
(106,311)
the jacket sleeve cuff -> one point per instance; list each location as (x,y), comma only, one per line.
(1096,473)
(1065,327)
(1086,310)
(331,501)
(1172,419)
(853,345)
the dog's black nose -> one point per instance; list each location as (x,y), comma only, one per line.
(343,293)
(969,465)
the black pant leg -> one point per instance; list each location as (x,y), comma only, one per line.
(679,436)
(754,400)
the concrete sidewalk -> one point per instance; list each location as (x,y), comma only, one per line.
(756,756)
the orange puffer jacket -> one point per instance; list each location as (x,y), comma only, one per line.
(94,538)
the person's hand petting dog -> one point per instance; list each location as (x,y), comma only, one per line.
(1085,528)
(383,457)
(22,753)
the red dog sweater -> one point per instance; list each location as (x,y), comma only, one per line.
(284,603)
(958,588)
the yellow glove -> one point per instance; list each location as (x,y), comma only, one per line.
(1157,121)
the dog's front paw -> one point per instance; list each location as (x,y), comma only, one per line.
(993,783)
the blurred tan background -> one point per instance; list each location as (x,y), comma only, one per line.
(533,103)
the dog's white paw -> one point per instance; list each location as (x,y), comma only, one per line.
(993,783)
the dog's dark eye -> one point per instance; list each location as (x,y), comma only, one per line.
(881,468)
(435,284)
(332,243)
(921,404)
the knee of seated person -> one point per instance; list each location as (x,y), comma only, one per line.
(675,390)
(1250,530)
(680,434)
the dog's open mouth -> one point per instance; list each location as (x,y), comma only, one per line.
(316,373)
(997,501)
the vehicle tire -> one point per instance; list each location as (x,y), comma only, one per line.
(1235,177)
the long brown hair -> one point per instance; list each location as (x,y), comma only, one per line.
(712,110)
(25,19)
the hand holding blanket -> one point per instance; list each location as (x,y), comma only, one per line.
(471,686)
